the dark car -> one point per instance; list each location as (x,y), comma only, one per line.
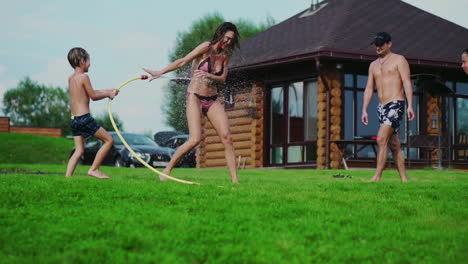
(119,156)
(189,159)
(162,137)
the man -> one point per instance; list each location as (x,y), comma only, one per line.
(465,60)
(390,73)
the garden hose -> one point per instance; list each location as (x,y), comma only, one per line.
(109,109)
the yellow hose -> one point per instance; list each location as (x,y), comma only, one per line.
(109,109)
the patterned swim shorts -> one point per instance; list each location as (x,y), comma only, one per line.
(84,126)
(391,114)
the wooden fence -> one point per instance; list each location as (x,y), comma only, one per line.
(40,131)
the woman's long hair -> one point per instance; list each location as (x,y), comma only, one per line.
(219,34)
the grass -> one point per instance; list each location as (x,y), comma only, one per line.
(274,216)
(34,149)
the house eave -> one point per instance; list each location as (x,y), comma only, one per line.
(340,54)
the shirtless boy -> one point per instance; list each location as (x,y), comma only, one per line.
(82,124)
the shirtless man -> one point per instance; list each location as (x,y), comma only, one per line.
(82,123)
(390,73)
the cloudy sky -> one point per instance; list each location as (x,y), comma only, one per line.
(124,36)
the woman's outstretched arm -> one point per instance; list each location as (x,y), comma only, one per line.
(199,50)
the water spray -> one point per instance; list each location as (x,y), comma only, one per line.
(176,78)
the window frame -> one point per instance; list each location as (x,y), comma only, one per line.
(286,124)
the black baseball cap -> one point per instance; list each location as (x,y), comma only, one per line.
(381,38)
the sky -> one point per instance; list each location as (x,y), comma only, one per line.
(122,37)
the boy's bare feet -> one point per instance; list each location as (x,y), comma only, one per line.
(162,178)
(98,174)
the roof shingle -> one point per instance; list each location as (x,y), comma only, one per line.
(349,26)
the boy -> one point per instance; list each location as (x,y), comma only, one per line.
(82,124)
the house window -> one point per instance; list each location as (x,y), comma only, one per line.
(355,85)
(277,115)
(310,119)
(277,125)
(462,118)
(296,112)
(348,115)
(353,127)
(461,136)
(293,133)
(373,126)
(459,127)
(462,88)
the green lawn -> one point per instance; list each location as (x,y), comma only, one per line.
(24,148)
(274,216)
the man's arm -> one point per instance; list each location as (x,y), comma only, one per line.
(368,92)
(96,95)
(404,70)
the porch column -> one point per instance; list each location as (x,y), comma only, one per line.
(333,82)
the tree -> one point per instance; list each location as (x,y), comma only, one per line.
(201,30)
(32,104)
(103,120)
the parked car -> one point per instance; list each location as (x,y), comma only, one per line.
(119,156)
(190,159)
(163,136)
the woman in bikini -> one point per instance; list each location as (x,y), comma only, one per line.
(209,67)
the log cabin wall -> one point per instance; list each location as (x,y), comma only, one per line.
(334,83)
(246,125)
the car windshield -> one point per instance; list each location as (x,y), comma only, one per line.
(134,139)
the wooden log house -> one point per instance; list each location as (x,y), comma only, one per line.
(294,92)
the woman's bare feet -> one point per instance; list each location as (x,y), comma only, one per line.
(374,179)
(97,174)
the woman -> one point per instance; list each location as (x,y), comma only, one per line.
(209,67)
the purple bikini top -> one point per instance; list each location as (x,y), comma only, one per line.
(205,66)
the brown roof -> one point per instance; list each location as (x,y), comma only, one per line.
(345,28)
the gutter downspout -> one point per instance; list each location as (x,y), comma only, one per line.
(327,134)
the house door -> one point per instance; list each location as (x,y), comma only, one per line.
(292,124)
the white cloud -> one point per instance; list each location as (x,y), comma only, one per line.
(137,40)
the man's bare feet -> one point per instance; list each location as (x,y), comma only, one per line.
(98,174)
(235,180)
(162,178)
(68,176)
(404,179)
